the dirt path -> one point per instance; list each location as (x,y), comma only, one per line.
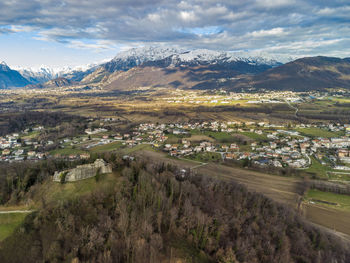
(15,211)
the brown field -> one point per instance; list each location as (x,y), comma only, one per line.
(334,219)
(198,138)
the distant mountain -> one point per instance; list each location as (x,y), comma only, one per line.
(157,66)
(54,83)
(176,57)
(45,74)
(36,76)
(310,73)
(10,78)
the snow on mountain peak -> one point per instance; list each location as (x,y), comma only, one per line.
(144,54)
(178,56)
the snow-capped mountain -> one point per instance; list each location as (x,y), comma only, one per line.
(44,74)
(136,56)
(10,78)
(38,75)
(205,56)
(178,56)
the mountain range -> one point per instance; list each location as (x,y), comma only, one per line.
(198,69)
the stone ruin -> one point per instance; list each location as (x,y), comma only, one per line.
(83,171)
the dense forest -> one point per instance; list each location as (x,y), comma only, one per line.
(153,215)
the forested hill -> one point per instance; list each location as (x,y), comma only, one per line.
(150,216)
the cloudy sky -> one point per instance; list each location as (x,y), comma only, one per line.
(74,32)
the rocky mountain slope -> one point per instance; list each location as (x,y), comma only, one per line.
(11,78)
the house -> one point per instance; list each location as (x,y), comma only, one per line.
(84,156)
(6,152)
(31,154)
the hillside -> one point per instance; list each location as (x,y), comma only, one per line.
(142,213)
(154,67)
(311,73)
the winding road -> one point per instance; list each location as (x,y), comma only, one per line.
(295,108)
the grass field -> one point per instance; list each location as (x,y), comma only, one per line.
(9,222)
(31,135)
(53,191)
(325,171)
(138,148)
(317,168)
(341,201)
(222,137)
(205,157)
(67,151)
(255,136)
(106,148)
(317,132)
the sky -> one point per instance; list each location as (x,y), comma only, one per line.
(78,32)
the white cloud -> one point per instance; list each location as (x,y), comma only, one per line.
(278,31)
(188,16)
(229,24)
(96,46)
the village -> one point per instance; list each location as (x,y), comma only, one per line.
(261,143)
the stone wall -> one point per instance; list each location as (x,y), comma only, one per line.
(83,171)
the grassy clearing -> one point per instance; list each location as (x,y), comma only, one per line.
(184,250)
(317,132)
(52,191)
(31,135)
(340,201)
(222,137)
(9,222)
(138,148)
(255,136)
(67,151)
(106,148)
(205,157)
(339,176)
(173,138)
(325,171)
(317,168)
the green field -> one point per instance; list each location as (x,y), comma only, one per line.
(205,157)
(54,191)
(317,132)
(31,135)
(222,137)
(340,201)
(139,147)
(325,171)
(317,168)
(67,151)
(9,222)
(106,148)
(255,136)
